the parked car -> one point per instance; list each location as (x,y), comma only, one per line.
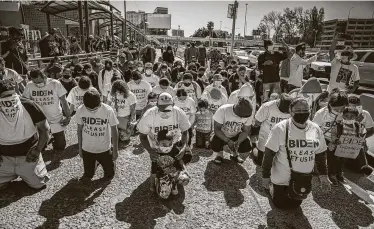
(319,67)
(241,56)
(253,57)
(365,63)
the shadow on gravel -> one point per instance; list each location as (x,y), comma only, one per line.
(348,210)
(14,192)
(277,218)
(142,208)
(228,177)
(55,157)
(73,198)
(197,153)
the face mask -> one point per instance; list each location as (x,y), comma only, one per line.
(179,66)
(270,48)
(131,68)
(140,69)
(9,106)
(163,71)
(187,84)
(93,110)
(153,103)
(217,83)
(148,72)
(66,76)
(348,122)
(166,149)
(301,118)
(108,68)
(230,72)
(165,115)
(201,74)
(359,108)
(333,111)
(40,85)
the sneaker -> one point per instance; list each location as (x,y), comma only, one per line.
(334,181)
(174,191)
(236,159)
(218,160)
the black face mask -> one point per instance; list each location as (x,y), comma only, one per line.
(131,68)
(108,68)
(284,106)
(301,118)
(135,79)
(201,74)
(187,84)
(66,76)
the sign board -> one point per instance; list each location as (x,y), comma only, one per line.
(159,21)
(230,11)
(349,147)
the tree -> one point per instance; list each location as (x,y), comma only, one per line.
(265,28)
(289,22)
(312,25)
(274,19)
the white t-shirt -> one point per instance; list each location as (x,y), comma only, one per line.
(221,88)
(48,98)
(75,96)
(158,90)
(195,95)
(327,121)
(141,92)
(231,123)
(151,123)
(297,65)
(214,105)
(12,75)
(342,75)
(105,84)
(122,104)
(152,80)
(96,134)
(269,115)
(303,145)
(188,106)
(367,122)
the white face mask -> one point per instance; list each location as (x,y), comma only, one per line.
(163,71)
(10,106)
(166,149)
(140,69)
(153,103)
(359,108)
(217,83)
(148,72)
(349,122)
(270,48)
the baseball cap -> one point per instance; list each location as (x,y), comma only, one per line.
(165,101)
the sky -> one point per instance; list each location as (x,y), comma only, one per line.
(191,15)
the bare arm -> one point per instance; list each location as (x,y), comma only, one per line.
(333,47)
(114,130)
(369,132)
(80,131)
(43,131)
(267,162)
(132,112)
(65,106)
(218,132)
(244,134)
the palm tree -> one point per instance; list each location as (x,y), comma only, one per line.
(210,27)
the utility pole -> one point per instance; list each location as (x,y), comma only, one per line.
(220,25)
(179,27)
(124,25)
(234,12)
(245,19)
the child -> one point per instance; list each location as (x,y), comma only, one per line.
(204,125)
(97,130)
(75,97)
(152,101)
(108,87)
(169,171)
(348,126)
(123,101)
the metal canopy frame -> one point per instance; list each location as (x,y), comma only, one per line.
(57,7)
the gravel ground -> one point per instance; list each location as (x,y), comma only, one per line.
(227,196)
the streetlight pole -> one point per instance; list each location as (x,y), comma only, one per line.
(245,19)
(233,26)
(124,25)
(179,27)
(315,37)
(220,24)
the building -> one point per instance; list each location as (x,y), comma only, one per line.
(177,32)
(135,17)
(358,33)
(161,10)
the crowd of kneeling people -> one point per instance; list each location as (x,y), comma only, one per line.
(291,136)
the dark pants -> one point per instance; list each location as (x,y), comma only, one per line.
(217,144)
(291,87)
(284,86)
(104,159)
(280,199)
(190,135)
(201,138)
(59,142)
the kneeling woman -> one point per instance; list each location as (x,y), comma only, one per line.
(295,144)
(123,102)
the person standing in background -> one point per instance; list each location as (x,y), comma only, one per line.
(202,56)
(285,67)
(268,63)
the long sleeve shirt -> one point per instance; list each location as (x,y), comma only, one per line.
(296,69)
